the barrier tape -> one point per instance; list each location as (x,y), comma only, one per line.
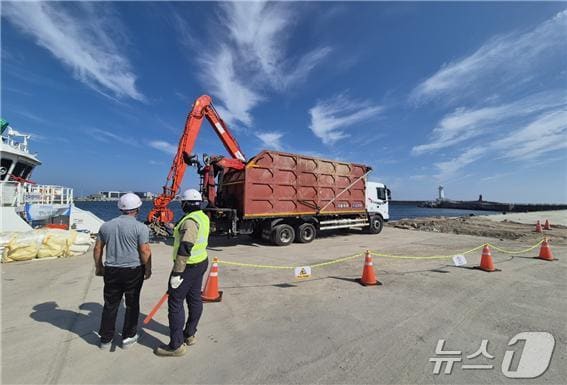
(344,259)
(428,257)
(516,251)
(338,260)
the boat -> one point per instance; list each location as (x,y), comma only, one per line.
(26,205)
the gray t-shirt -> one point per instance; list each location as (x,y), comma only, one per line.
(122,236)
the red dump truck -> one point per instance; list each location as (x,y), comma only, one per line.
(276,196)
(283,197)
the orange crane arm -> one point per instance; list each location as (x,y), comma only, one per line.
(202,108)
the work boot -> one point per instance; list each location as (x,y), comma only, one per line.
(191,340)
(167,351)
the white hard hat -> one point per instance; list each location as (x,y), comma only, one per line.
(191,195)
(129,201)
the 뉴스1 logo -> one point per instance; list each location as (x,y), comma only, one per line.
(534,358)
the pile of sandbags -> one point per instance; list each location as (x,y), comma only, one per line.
(43,243)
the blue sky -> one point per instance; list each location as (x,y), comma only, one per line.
(472,96)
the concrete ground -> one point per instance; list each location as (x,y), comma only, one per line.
(271,328)
(557,217)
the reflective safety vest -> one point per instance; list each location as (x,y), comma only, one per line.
(199,249)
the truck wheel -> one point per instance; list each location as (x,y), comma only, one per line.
(306,233)
(376,224)
(283,235)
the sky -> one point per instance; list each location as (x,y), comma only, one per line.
(470,96)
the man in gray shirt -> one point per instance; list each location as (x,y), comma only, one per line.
(127,263)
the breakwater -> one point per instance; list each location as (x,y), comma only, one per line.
(493,206)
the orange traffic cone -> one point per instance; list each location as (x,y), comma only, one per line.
(547,225)
(211,292)
(545,251)
(486,262)
(538,227)
(368,276)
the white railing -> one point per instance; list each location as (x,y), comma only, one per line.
(9,136)
(18,194)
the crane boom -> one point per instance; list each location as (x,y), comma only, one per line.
(202,108)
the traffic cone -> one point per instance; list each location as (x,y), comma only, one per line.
(211,292)
(538,227)
(547,225)
(545,251)
(368,276)
(486,262)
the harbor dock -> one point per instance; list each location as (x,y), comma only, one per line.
(272,328)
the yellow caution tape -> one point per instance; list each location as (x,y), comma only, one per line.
(338,260)
(428,257)
(515,251)
(344,259)
(254,265)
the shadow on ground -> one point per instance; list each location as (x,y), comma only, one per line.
(85,323)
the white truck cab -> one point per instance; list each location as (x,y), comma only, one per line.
(377,198)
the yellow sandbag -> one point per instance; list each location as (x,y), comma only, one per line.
(81,244)
(78,249)
(23,247)
(5,239)
(83,239)
(56,243)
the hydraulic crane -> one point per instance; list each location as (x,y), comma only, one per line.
(202,108)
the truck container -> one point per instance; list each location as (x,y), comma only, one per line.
(285,197)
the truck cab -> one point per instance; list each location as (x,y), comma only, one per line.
(377,198)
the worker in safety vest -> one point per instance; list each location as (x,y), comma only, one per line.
(190,263)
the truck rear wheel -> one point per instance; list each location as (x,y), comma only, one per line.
(306,233)
(283,235)
(376,224)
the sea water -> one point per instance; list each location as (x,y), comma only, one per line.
(108,210)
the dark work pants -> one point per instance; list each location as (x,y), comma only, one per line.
(189,291)
(118,282)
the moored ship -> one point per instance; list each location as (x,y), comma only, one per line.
(26,205)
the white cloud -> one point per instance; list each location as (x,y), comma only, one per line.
(166,147)
(110,137)
(512,101)
(463,124)
(271,140)
(330,117)
(259,31)
(546,133)
(82,43)
(539,137)
(243,66)
(506,61)
(451,168)
(237,99)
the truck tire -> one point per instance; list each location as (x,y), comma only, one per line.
(283,235)
(306,233)
(376,224)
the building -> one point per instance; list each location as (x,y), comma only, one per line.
(145,195)
(111,194)
(115,195)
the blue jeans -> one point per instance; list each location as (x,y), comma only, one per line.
(189,291)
